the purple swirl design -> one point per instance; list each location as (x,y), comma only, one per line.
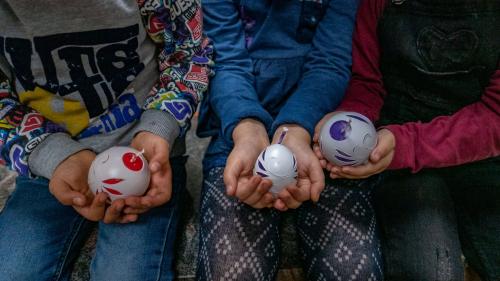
(262,174)
(343,153)
(260,165)
(340,130)
(343,159)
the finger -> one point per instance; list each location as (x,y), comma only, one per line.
(98,205)
(129,218)
(317,178)
(160,190)
(139,202)
(64,194)
(382,149)
(360,171)
(317,151)
(244,190)
(317,130)
(137,211)
(154,166)
(323,163)
(95,211)
(330,166)
(316,135)
(134,202)
(371,168)
(318,127)
(114,212)
(289,201)
(299,194)
(280,205)
(266,201)
(157,157)
(231,174)
(260,191)
(334,176)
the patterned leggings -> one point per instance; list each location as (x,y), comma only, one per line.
(338,235)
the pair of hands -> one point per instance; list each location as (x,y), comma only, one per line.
(69,183)
(250,138)
(380,158)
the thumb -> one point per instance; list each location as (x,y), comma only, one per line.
(65,194)
(158,159)
(317,178)
(231,174)
(317,130)
(320,124)
(382,149)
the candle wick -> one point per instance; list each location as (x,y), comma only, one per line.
(283,134)
(136,155)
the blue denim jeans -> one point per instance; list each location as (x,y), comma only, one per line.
(40,238)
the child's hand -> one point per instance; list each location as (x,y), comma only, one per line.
(380,158)
(317,131)
(156,151)
(311,180)
(250,138)
(69,185)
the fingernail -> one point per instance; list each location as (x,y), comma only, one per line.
(78,201)
(154,167)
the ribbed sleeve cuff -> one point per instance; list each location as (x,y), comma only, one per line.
(159,123)
(53,150)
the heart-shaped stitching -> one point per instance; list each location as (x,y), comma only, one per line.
(445,51)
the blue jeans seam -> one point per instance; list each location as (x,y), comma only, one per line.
(67,249)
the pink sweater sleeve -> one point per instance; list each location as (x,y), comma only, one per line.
(365,93)
(471,134)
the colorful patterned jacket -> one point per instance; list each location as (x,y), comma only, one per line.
(88,76)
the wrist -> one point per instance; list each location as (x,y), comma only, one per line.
(250,130)
(296,135)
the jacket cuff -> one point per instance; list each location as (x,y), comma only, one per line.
(53,150)
(159,123)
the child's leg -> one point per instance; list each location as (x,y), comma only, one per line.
(339,235)
(418,220)
(39,237)
(142,250)
(237,242)
(476,190)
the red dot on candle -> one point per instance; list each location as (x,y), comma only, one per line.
(132,161)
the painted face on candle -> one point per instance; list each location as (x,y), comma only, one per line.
(119,171)
(278,164)
(347,139)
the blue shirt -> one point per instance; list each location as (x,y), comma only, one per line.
(277,61)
